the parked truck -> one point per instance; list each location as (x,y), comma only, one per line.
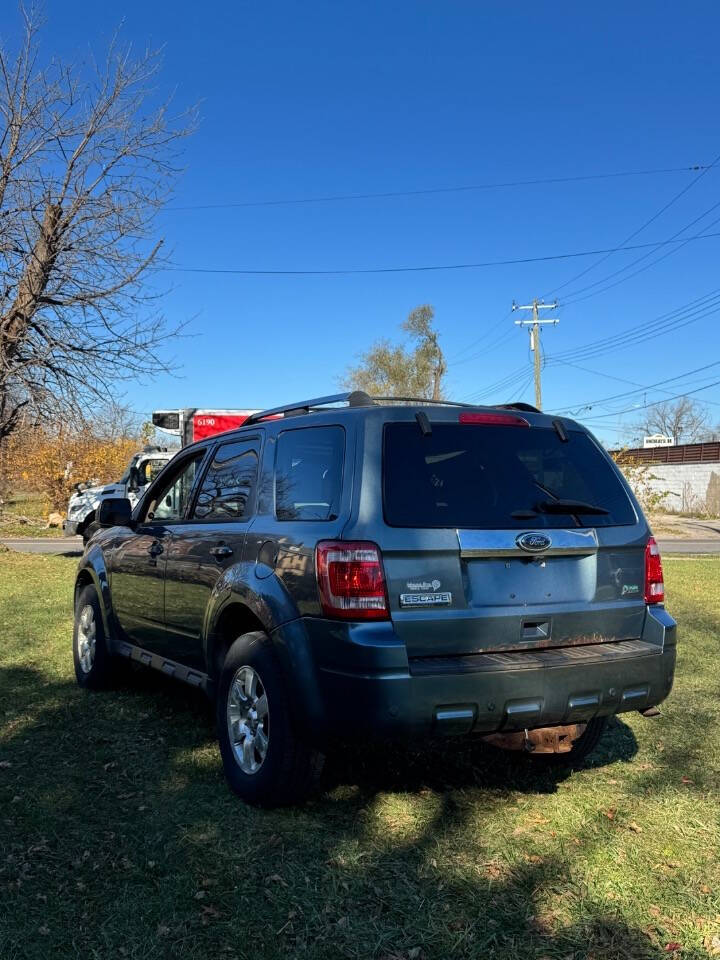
(194,423)
(83,504)
(189,424)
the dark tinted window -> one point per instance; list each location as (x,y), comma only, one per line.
(469,475)
(308,473)
(228,488)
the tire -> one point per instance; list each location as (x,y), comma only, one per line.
(266,760)
(583,746)
(89,531)
(92,658)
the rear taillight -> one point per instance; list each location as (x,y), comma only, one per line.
(654,583)
(351,580)
(494,419)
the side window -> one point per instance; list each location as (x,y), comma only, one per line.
(228,490)
(149,470)
(308,473)
(171,502)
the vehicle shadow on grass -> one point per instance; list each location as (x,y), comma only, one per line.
(457,763)
(436,764)
(112,801)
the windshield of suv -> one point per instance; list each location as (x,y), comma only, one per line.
(465,475)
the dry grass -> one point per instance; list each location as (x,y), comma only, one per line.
(120,839)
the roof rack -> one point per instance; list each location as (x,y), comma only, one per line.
(358,398)
(423,400)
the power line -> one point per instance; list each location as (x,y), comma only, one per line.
(682,316)
(610,376)
(644,406)
(506,382)
(493,345)
(474,343)
(675,319)
(574,298)
(640,229)
(393,194)
(639,389)
(433,267)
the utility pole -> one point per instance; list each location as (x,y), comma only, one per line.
(534,331)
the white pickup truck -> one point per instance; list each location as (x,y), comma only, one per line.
(189,424)
(83,505)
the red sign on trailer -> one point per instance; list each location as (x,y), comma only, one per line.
(206,423)
(199,423)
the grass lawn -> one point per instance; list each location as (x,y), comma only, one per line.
(25,515)
(118,837)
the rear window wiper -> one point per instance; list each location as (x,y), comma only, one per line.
(570,506)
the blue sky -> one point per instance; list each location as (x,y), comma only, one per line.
(313,99)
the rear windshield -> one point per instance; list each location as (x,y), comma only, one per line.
(470,475)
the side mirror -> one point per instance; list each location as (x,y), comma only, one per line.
(115,512)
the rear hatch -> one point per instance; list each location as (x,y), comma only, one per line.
(504,532)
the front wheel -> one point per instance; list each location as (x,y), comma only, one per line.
(92,659)
(266,758)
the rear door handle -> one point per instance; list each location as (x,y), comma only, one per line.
(156,549)
(221,552)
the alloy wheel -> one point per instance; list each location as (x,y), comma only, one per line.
(86,638)
(248,719)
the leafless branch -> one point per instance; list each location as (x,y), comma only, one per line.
(87,161)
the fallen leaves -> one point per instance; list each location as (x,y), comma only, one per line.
(712,945)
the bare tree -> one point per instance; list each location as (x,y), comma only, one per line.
(87,159)
(394,371)
(685,420)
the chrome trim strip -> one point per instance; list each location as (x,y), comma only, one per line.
(502,543)
(454,714)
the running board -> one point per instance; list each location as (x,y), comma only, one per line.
(169,667)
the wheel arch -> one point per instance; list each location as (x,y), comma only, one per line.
(92,573)
(233,620)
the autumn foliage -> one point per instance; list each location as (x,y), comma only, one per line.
(52,462)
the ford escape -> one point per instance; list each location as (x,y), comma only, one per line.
(350,567)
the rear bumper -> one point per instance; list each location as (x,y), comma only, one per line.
(356,680)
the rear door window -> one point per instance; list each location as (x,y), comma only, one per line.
(228,488)
(308,473)
(470,475)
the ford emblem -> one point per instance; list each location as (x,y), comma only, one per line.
(533,542)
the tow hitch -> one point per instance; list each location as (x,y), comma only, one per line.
(540,740)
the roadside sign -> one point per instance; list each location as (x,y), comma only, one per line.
(658,440)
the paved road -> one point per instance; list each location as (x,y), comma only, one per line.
(689,546)
(67,546)
(72,546)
